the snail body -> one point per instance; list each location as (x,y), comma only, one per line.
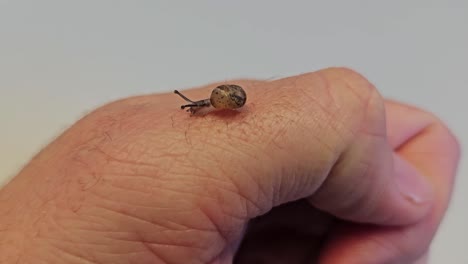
(226,96)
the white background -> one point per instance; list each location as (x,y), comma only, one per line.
(60,59)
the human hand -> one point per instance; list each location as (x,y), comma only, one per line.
(351,179)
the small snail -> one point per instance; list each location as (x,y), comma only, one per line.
(226,96)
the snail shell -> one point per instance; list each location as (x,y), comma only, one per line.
(228,96)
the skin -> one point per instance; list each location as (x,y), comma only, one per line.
(329,171)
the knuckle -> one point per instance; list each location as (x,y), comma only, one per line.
(362,106)
(345,90)
(354,80)
(353,104)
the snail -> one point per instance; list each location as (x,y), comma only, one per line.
(226,96)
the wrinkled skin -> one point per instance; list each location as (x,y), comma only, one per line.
(328,170)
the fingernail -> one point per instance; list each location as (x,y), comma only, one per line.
(411,183)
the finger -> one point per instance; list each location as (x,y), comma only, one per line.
(321,134)
(324,135)
(433,151)
(367,183)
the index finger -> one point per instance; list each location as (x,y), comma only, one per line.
(422,140)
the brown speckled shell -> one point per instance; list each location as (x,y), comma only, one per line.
(228,96)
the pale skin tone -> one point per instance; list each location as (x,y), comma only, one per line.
(141,181)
